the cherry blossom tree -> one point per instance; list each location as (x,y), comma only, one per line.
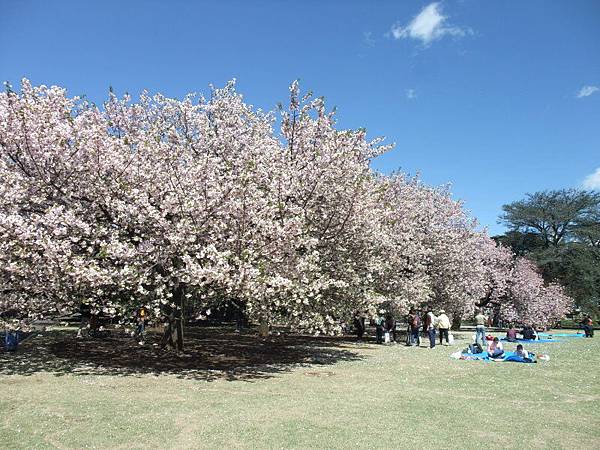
(187,205)
(530,301)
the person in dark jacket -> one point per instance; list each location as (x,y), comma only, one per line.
(529,333)
(379,326)
(390,326)
(588,326)
(359,325)
(414,323)
(429,327)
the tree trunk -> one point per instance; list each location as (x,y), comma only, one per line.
(176,318)
(179,298)
(167,338)
(263,328)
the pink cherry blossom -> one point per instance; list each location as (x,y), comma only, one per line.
(192,204)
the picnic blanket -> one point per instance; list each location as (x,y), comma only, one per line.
(570,335)
(532,341)
(506,357)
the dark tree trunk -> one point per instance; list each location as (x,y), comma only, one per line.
(176,318)
(178,298)
(239,314)
(167,338)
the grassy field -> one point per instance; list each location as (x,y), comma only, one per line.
(295,393)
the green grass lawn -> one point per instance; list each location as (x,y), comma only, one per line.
(337,395)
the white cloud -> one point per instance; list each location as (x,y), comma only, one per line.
(592,181)
(586,91)
(428,26)
(411,94)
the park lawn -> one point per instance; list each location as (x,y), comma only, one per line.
(384,397)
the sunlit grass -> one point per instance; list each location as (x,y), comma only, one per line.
(394,397)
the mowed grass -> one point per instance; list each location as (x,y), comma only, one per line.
(389,397)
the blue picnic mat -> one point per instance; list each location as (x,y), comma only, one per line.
(507,357)
(571,335)
(532,341)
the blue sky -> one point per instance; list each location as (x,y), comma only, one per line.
(498,98)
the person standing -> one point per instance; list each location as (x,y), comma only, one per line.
(390,326)
(359,325)
(414,323)
(430,322)
(141,325)
(522,353)
(443,327)
(379,325)
(480,320)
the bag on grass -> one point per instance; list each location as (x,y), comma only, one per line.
(475,348)
(387,337)
(451,339)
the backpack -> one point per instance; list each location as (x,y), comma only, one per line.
(475,348)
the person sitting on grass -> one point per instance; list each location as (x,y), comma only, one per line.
(511,334)
(529,333)
(588,326)
(495,348)
(522,353)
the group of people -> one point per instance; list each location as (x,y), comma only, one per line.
(428,323)
(431,325)
(528,332)
(495,350)
(385,325)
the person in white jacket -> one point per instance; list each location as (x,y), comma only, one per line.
(443,323)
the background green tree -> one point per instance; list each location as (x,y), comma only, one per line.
(560,231)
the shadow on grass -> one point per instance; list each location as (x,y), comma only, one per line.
(210,354)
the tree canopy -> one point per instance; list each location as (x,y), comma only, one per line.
(560,231)
(188,205)
(555,215)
